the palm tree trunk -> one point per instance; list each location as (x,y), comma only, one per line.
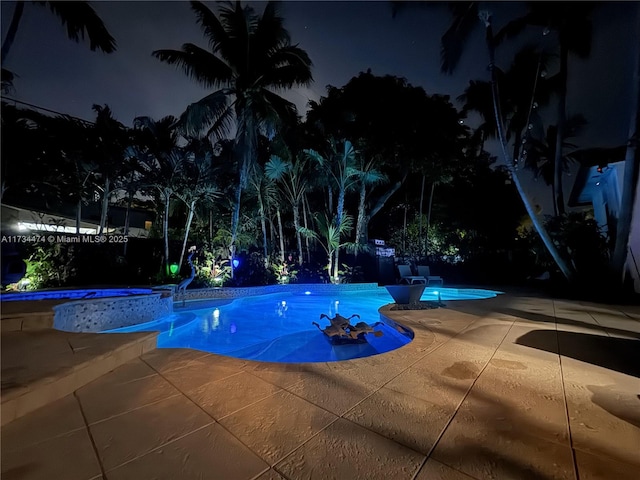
(235,219)
(165,230)
(210,226)
(78,216)
(305,205)
(281,235)
(629,181)
(426,241)
(420,213)
(104,206)
(263,225)
(127,217)
(336,263)
(296,225)
(361,215)
(11,32)
(187,228)
(558,193)
(537,224)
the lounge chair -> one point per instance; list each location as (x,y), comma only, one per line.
(425,272)
(407,276)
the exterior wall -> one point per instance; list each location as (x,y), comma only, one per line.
(633,257)
(100,314)
(222,293)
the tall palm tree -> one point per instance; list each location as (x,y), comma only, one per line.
(196,184)
(110,153)
(293,184)
(251,58)
(571,22)
(466,16)
(368,176)
(79,18)
(266,194)
(162,161)
(341,165)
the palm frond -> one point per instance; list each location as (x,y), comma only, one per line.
(81,20)
(208,111)
(198,64)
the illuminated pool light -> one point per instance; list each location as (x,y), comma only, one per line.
(307,292)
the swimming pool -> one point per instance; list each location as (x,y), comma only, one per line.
(76,294)
(279,327)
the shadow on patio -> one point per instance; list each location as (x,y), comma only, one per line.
(619,354)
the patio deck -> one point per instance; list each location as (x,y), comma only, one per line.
(515,387)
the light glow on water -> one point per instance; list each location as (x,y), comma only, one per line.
(279,327)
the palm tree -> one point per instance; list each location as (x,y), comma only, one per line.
(329,235)
(251,58)
(266,193)
(368,176)
(570,20)
(341,166)
(162,162)
(111,147)
(196,184)
(466,16)
(78,16)
(293,184)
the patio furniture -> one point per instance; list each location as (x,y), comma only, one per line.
(425,272)
(408,278)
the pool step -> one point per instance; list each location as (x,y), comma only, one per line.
(44,365)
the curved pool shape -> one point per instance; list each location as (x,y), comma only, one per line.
(278,327)
(77,294)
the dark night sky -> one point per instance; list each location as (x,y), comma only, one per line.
(342,39)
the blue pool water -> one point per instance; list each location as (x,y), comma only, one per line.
(77,294)
(278,327)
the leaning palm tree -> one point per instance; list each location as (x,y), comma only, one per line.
(79,18)
(571,22)
(466,15)
(251,58)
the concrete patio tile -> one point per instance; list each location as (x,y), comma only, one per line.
(489,447)
(434,470)
(443,391)
(345,450)
(210,452)
(593,467)
(280,374)
(375,370)
(69,457)
(512,397)
(125,437)
(271,474)
(277,425)
(336,393)
(604,411)
(407,420)
(58,418)
(223,397)
(166,359)
(121,391)
(202,370)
